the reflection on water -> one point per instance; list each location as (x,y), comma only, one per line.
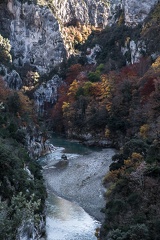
(67,221)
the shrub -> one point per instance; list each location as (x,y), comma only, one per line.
(80,91)
(153,171)
(144,130)
(134,199)
(153,154)
(14,103)
(94,76)
(135,145)
(5,48)
(20,135)
(136,232)
(116,234)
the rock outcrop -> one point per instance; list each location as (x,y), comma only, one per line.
(136,11)
(36,31)
(47,94)
(35,37)
(12,78)
(102,13)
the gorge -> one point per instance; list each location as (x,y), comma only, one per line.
(79,182)
(89,70)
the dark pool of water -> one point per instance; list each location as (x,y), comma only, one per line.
(71,146)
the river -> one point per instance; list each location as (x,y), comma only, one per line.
(75,191)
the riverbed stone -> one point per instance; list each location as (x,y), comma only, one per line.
(81,180)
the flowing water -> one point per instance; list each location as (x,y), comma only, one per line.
(66,220)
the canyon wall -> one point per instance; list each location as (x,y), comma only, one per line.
(36,31)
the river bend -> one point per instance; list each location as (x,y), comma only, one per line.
(75,191)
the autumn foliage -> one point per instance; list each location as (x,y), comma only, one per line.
(121,101)
(4,90)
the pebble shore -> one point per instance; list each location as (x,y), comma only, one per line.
(81,180)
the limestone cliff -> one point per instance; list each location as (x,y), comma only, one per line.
(36,31)
(35,36)
(46,94)
(101,12)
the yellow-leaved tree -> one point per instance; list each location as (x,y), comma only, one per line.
(5,47)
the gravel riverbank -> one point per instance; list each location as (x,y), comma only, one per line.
(80,179)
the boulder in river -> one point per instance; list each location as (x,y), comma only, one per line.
(64,157)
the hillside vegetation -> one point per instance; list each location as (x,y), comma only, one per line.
(114,100)
(22,189)
(120,103)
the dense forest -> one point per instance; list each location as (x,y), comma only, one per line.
(111,99)
(121,103)
(22,190)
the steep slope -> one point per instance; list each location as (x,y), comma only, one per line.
(113,101)
(22,191)
(36,28)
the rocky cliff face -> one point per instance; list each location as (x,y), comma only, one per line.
(93,12)
(40,39)
(12,78)
(102,12)
(47,94)
(136,11)
(35,37)
(35,30)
